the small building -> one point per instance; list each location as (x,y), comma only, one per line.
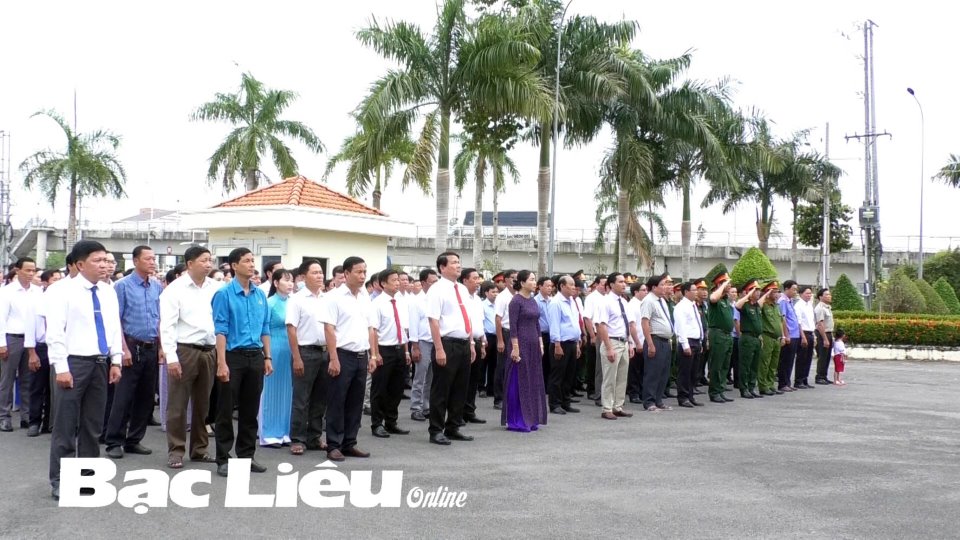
(298,219)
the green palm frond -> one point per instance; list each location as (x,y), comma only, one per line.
(950,173)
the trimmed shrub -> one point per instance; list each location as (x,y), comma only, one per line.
(902,331)
(869,315)
(845,295)
(900,294)
(949,296)
(935,305)
(752,265)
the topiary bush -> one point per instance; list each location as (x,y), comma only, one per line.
(752,265)
(845,295)
(901,331)
(949,296)
(888,315)
(935,305)
(900,294)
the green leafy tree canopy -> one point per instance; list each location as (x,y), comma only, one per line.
(945,264)
(900,294)
(948,294)
(752,265)
(845,295)
(935,304)
(810,224)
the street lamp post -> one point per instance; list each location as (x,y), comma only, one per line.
(556,142)
(922,136)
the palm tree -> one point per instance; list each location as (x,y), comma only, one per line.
(255,112)
(640,207)
(592,72)
(481,156)
(950,173)
(487,63)
(88,167)
(762,158)
(368,164)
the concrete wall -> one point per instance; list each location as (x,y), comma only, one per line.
(293,244)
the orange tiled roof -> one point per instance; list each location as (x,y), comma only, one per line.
(300,191)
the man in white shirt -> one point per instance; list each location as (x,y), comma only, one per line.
(690,334)
(421,345)
(638,291)
(615,329)
(18,302)
(308,347)
(594,362)
(84,338)
(502,310)
(808,326)
(392,331)
(351,332)
(451,328)
(187,339)
(470,278)
(268,270)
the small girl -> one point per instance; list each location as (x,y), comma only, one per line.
(839,356)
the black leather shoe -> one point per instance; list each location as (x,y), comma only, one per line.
(256,467)
(572,400)
(824,381)
(756,394)
(697,403)
(557,410)
(778,392)
(744,394)
(418,416)
(686,404)
(6,426)
(138,449)
(716,399)
(594,396)
(498,405)
(55,493)
(697,392)
(598,403)
(378,431)
(635,399)
(223,469)
(33,431)
(439,438)
(115,452)
(457,436)
(570,409)
(767,393)
(725,398)
(576,394)
(153,420)
(366,410)
(475,420)
(397,430)
(353,451)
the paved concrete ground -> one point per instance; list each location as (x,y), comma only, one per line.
(877,459)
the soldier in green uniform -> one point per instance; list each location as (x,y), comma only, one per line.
(750,329)
(772,339)
(701,367)
(720,324)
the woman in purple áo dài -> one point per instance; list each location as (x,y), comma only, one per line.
(525,404)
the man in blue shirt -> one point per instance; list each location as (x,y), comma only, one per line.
(488,295)
(241,321)
(139,297)
(545,291)
(788,352)
(564,332)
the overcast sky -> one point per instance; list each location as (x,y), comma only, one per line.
(140,69)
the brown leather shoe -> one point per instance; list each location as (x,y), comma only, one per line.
(335,455)
(608,416)
(622,414)
(355,452)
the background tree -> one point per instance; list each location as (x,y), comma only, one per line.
(753,264)
(948,295)
(87,167)
(489,63)
(950,173)
(945,264)
(254,111)
(900,294)
(640,210)
(845,295)
(809,223)
(369,165)
(934,304)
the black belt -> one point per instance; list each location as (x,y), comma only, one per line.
(99,358)
(661,338)
(142,344)
(455,339)
(247,351)
(398,348)
(617,338)
(203,348)
(16,335)
(693,339)
(321,348)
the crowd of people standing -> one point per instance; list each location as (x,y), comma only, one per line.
(297,359)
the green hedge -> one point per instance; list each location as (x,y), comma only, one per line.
(875,315)
(935,304)
(902,331)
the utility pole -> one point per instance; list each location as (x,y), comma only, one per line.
(827,193)
(870,211)
(6,232)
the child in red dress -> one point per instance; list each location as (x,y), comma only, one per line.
(839,356)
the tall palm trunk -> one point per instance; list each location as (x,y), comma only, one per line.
(653,242)
(685,231)
(250,179)
(763,225)
(496,227)
(72,218)
(478,214)
(793,244)
(376,190)
(543,197)
(443,182)
(623,216)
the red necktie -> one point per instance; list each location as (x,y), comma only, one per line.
(396,319)
(579,315)
(463,310)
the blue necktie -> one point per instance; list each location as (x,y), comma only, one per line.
(98,320)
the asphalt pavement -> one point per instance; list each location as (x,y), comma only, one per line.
(879,458)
